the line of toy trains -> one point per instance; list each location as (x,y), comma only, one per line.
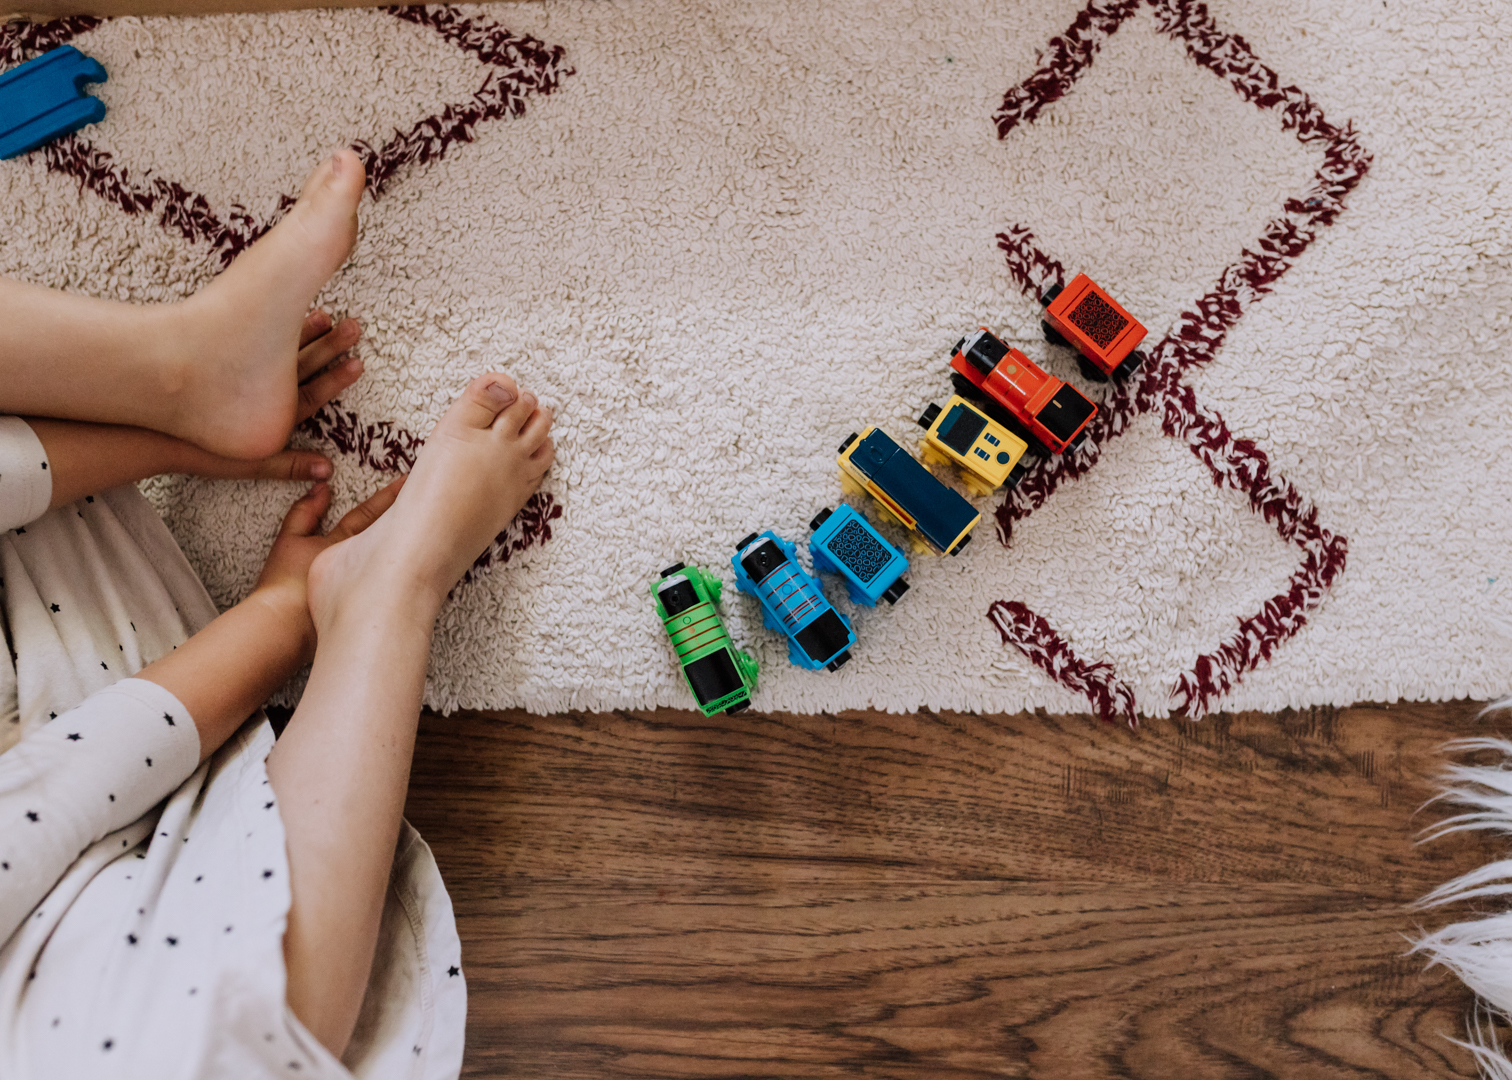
(1014,407)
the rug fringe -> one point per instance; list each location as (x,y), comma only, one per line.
(1478,950)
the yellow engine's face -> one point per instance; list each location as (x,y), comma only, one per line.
(985,449)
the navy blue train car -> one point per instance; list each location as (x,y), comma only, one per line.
(908,491)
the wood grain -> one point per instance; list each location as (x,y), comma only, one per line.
(649,895)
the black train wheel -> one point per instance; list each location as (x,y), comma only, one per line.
(1054,336)
(1090,371)
(1131,364)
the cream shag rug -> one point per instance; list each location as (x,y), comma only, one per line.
(719,236)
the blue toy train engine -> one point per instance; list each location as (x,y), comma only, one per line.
(845,543)
(766,567)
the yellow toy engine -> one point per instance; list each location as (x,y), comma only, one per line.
(987,453)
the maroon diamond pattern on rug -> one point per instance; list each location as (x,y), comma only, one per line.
(516,68)
(1199,333)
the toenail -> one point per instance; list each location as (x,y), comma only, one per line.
(320,470)
(499,394)
(336,163)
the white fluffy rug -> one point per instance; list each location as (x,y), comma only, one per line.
(718,236)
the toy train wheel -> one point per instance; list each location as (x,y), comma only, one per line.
(819,519)
(1015,475)
(932,457)
(838,662)
(976,486)
(894,592)
(733,709)
(1130,365)
(966,388)
(1049,295)
(674,568)
(1090,371)
(741,545)
(846,444)
(961,544)
(1053,336)
(930,414)
(884,512)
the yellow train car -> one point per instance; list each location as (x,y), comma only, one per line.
(987,453)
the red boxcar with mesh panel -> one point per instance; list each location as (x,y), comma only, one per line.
(1090,321)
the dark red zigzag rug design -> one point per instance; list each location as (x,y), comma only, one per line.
(1194,341)
(518,67)
(385,447)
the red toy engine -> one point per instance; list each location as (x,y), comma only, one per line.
(1041,409)
(1105,336)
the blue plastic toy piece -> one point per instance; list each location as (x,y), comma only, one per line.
(766,567)
(844,543)
(44,99)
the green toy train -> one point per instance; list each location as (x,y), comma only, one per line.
(721,677)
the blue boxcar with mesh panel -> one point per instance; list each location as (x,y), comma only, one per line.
(766,567)
(845,543)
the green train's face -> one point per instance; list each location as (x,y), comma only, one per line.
(677,594)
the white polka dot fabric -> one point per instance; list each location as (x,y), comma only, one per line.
(95,770)
(143,896)
(25,482)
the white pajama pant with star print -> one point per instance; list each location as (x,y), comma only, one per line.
(143,896)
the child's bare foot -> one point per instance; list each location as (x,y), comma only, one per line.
(238,382)
(486,456)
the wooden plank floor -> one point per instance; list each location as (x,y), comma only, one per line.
(660,895)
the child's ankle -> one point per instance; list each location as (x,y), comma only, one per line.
(351,586)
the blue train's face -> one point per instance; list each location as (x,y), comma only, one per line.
(761,558)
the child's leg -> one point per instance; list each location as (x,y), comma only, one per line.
(341,768)
(218,369)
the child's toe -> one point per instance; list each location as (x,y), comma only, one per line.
(341,175)
(535,429)
(483,400)
(513,419)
